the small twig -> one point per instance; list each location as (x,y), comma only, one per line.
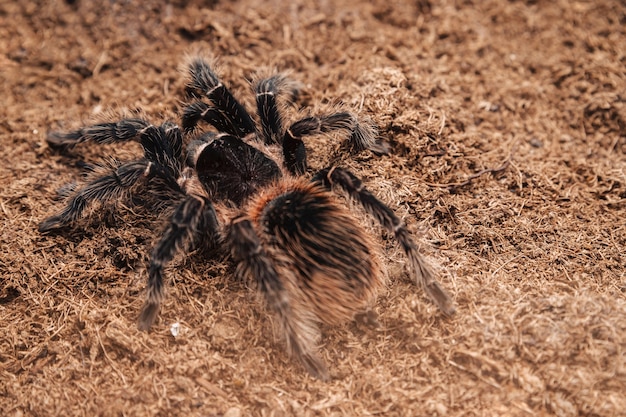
(108,358)
(102,60)
(505,164)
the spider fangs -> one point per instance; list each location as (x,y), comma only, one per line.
(248,188)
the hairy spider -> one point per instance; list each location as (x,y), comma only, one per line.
(247,187)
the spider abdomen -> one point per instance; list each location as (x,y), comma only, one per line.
(324,257)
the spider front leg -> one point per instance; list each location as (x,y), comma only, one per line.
(161,144)
(224,113)
(194,218)
(424,275)
(362,136)
(255,264)
(121,131)
(267,92)
(162,160)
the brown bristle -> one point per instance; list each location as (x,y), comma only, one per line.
(335,270)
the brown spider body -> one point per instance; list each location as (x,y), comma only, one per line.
(248,188)
(328,260)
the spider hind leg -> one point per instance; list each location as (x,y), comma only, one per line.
(255,264)
(423,274)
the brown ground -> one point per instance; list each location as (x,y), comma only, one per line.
(533,251)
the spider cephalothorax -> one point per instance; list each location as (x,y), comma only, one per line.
(248,187)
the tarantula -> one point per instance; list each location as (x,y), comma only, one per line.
(248,187)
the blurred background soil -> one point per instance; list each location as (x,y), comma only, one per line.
(507,124)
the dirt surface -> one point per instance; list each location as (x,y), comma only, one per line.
(507,124)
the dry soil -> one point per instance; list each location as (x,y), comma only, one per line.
(507,125)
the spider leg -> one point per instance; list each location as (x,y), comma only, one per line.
(362,136)
(195,112)
(122,131)
(224,113)
(424,275)
(162,149)
(163,145)
(194,215)
(256,264)
(267,91)
(111,186)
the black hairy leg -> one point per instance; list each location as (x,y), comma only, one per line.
(121,131)
(163,145)
(195,216)
(268,92)
(255,265)
(423,273)
(224,112)
(115,180)
(362,136)
(108,187)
